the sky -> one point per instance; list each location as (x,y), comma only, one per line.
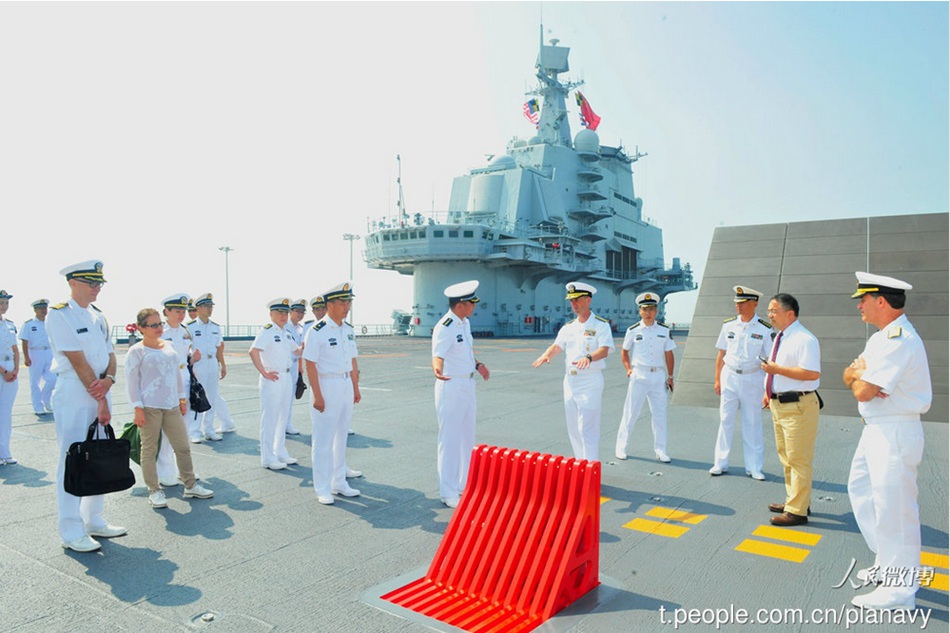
(148,135)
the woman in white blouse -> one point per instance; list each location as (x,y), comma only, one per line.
(157,393)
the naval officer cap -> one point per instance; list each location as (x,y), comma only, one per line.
(179,300)
(5,295)
(280,304)
(578,289)
(90,270)
(299,304)
(647,299)
(745,293)
(40,303)
(318,302)
(463,291)
(340,291)
(206,299)
(879,284)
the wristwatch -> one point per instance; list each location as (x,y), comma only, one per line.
(590,358)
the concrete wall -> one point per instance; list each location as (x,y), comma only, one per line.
(815,262)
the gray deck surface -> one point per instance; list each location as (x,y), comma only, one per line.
(263,555)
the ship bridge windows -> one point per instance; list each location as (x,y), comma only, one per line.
(622,264)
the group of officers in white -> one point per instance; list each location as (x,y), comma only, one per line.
(890,380)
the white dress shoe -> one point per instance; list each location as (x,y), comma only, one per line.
(663,457)
(452,502)
(198,491)
(326,500)
(8,461)
(291,431)
(620,455)
(275,466)
(290,461)
(346,491)
(170,483)
(715,471)
(353,474)
(757,476)
(157,499)
(107,531)
(197,439)
(84,544)
(351,432)
(225,429)
(884,598)
(214,437)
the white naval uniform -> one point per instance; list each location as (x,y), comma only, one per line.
(883,480)
(8,390)
(741,383)
(206,338)
(332,348)
(41,361)
(647,347)
(454,402)
(584,388)
(72,328)
(180,340)
(277,349)
(297,332)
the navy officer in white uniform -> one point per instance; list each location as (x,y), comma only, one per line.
(272,353)
(744,342)
(84,362)
(329,356)
(891,382)
(647,356)
(295,326)
(586,342)
(209,368)
(38,357)
(455,367)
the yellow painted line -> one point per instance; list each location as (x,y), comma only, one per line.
(657,527)
(784,534)
(676,515)
(604,500)
(783,552)
(940,582)
(932,559)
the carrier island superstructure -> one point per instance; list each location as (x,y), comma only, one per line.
(551,210)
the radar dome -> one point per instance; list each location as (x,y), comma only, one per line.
(587,141)
(535,140)
(503,161)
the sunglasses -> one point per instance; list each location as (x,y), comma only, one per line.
(91,284)
(154,326)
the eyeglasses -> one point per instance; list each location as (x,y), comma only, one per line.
(91,284)
(154,326)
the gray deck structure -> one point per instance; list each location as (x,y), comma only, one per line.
(815,262)
(263,555)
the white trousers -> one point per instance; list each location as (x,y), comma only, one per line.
(207,372)
(223,413)
(40,362)
(742,394)
(8,391)
(74,410)
(328,439)
(650,387)
(883,491)
(455,412)
(583,398)
(294,372)
(275,407)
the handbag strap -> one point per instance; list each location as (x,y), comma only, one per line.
(93,432)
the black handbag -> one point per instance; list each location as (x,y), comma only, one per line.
(197,396)
(98,465)
(300,387)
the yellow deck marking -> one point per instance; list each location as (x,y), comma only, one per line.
(657,527)
(784,534)
(940,582)
(604,500)
(932,559)
(676,515)
(783,552)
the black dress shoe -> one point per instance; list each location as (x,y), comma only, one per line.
(780,508)
(787,519)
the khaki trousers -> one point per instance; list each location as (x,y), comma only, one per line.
(796,427)
(171,422)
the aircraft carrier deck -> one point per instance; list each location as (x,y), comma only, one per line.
(263,555)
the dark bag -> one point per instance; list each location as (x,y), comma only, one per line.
(301,387)
(131,433)
(98,466)
(197,397)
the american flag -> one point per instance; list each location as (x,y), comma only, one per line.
(531,111)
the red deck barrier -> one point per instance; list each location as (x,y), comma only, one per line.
(523,544)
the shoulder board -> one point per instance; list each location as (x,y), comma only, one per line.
(447,322)
(571,321)
(60,306)
(212,322)
(268,326)
(319,325)
(192,322)
(663,325)
(307,322)
(730,319)
(635,325)
(94,308)
(349,324)
(895,332)
(600,318)
(765,323)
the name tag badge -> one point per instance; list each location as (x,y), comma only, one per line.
(82,330)
(638,337)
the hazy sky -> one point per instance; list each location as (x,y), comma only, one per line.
(150,134)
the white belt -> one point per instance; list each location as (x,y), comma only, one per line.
(471,375)
(649,368)
(888,419)
(344,374)
(748,370)
(582,372)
